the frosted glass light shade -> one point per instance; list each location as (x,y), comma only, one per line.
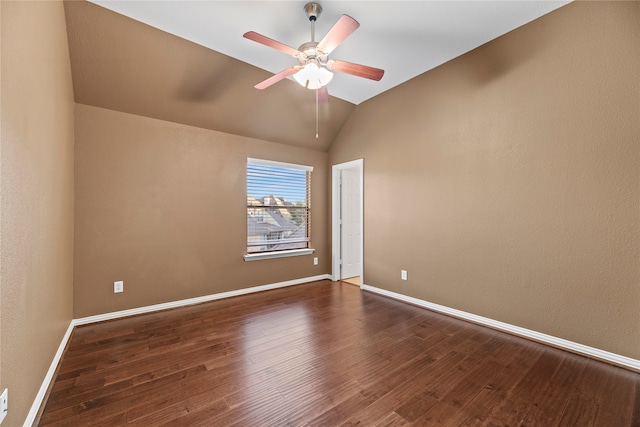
(313,77)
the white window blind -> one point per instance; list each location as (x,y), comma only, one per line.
(278,206)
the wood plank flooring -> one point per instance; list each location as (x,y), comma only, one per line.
(326,354)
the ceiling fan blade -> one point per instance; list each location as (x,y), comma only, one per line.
(356,69)
(338,33)
(252,35)
(323,95)
(277,77)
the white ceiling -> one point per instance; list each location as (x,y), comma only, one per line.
(405,38)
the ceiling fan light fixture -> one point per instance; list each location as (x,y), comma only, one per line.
(312,76)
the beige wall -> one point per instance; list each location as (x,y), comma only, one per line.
(520,161)
(124,65)
(507,181)
(36,228)
(162,206)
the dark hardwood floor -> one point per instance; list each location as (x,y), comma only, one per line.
(326,354)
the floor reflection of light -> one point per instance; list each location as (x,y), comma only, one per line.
(299,351)
(270,340)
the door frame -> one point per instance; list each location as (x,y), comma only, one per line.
(336,206)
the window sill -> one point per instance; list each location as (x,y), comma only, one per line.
(281,254)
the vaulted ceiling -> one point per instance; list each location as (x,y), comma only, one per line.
(187,62)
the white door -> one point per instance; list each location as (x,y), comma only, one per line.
(350,215)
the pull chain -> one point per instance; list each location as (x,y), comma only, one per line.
(317,113)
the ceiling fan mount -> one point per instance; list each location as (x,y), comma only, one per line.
(312,10)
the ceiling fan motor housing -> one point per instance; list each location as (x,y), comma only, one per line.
(310,53)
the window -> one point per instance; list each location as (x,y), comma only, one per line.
(278,209)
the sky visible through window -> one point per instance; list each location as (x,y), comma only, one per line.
(276,181)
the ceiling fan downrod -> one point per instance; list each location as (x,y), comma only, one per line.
(312,10)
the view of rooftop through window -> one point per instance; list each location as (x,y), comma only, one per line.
(277,206)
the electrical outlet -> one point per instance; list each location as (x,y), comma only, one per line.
(403,274)
(118,287)
(4,404)
(315,261)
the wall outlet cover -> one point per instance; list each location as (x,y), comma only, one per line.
(403,274)
(118,287)
(4,404)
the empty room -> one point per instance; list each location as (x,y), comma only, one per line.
(270,213)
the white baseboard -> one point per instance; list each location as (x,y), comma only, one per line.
(35,407)
(37,402)
(191,301)
(616,359)
(595,353)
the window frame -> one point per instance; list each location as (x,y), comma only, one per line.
(253,256)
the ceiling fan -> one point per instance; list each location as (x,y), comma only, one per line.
(315,68)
